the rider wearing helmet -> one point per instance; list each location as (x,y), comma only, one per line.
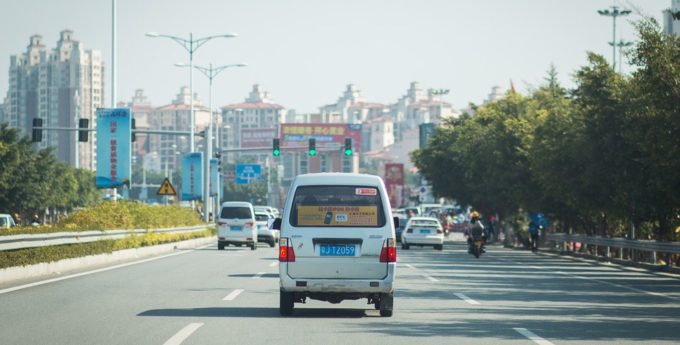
(475,226)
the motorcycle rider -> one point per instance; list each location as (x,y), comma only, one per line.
(475,225)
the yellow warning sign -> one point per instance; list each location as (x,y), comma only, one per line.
(166,188)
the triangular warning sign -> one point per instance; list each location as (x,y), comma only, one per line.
(166,188)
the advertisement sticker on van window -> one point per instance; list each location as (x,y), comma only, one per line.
(337,215)
(366,191)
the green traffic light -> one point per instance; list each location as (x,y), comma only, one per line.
(312,152)
(277,152)
(348,152)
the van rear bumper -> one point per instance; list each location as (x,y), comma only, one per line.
(344,285)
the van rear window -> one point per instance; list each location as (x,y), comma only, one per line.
(236,213)
(337,206)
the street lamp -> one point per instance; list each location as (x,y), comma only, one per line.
(191,45)
(210,73)
(440,93)
(621,44)
(614,12)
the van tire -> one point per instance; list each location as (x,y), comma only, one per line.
(253,246)
(404,246)
(286,303)
(439,247)
(272,243)
(220,246)
(386,304)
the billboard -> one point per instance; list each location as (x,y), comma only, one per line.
(192,176)
(394,183)
(258,137)
(113,147)
(327,135)
(214,177)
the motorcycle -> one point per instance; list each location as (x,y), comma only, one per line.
(476,241)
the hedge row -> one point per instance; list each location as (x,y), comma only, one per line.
(30,256)
(117,215)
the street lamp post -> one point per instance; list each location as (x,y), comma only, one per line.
(621,44)
(210,73)
(191,45)
(614,12)
(440,93)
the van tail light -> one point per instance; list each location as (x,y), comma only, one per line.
(389,251)
(249,224)
(286,251)
(221,223)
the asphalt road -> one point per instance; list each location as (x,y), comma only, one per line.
(207,296)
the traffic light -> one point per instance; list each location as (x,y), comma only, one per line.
(312,147)
(83,135)
(133,136)
(276,147)
(348,146)
(37,130)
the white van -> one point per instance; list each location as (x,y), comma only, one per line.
(6,221)
(337,241)
(236,225)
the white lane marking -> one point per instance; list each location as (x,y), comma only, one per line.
(657,294)
(53,280)
(258,275)
(233,295)
(465,298)
(532,336)
(183,334)
(429,277)
(274,263)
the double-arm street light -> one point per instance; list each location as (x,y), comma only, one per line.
(621,44)
(191,45)
(210,72)
(614,12)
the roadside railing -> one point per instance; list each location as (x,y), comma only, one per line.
(616,248)
(57,238)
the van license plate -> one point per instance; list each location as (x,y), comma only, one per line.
(337,250)
(235,228)
(424,231)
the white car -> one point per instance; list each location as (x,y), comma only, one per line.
(264,233)
(236,225)
(271,210)
(423,231)
(337,241)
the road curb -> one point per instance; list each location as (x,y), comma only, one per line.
(57,268)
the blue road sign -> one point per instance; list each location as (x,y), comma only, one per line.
(113,147)
(247,173)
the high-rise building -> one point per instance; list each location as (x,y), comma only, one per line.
(671,24)
(58,86)
(175,117)
(141,108)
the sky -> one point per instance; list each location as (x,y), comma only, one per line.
(305,52)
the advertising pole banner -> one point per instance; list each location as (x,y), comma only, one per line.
(426,131)
(394,182)
(214,177)
(113,147)
(192,176)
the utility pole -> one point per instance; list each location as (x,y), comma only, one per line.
(614,12)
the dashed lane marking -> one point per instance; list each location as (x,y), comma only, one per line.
(258,275)
(274,263)
(427,276)
(233,295)
(183,334)
(532,336)
(466,298)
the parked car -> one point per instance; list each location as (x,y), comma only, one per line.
(337,241)
(264,233)
(423,231)
(236,225)
(6,221)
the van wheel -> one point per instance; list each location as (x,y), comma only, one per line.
(286,303)
(439,247)
(272,244)
(253,246)
(404,246)
(220,246)
(386,304)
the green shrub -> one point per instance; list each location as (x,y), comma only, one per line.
(31,256)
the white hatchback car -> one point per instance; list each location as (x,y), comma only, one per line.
(423,231)
(236,225)
(337,241)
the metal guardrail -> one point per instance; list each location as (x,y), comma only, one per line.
(57,238)
(632,246)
